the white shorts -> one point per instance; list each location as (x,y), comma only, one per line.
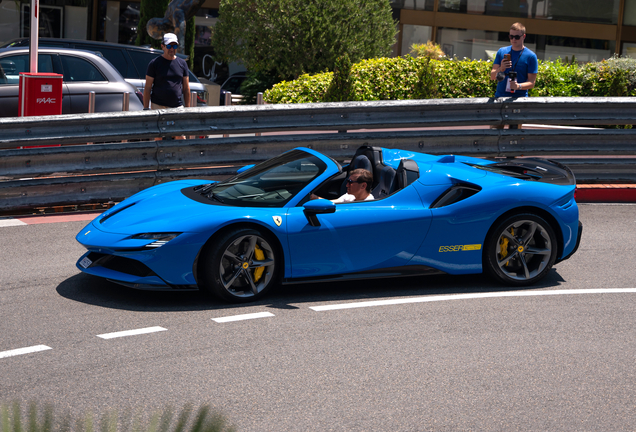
(155,106)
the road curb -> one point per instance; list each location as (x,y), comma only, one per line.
(606,193)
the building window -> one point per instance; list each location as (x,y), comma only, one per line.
(629,16)
(414,34)
(50,21)
(480,44)
(588,11)
(426,5)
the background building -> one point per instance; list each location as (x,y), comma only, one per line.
(587,29)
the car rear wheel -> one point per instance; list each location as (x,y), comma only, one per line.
(240,266)
(520,250)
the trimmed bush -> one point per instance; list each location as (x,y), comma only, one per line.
(43,420)
(613,77)
(422,78)
(393,79)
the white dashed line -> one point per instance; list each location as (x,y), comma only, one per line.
(243,317)
(470,296)
(21,351)
(131,332)
(10,222)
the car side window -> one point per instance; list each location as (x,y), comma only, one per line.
(114,56)
(11,67)
(141,61)
(78,70)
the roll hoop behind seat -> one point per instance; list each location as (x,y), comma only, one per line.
(386,183)
(407,173)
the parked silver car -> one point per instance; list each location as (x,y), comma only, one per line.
(130,60)
(83,72)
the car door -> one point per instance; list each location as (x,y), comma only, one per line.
(358,236)
(11,66)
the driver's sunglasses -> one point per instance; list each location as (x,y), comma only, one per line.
(354,181)
(516,37)
(172,46)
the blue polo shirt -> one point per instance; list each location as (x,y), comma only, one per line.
(524,62)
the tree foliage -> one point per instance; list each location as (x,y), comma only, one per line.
(288,38)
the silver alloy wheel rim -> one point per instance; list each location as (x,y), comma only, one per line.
(239,266)
(523,250)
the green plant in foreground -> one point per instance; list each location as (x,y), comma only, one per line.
(43,420)
(429,49)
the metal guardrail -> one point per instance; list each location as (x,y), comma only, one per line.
(118,168)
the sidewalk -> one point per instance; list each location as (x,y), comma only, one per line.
(606,193)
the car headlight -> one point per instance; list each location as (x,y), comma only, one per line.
(160,239)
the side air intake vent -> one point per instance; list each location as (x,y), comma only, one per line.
(455,194)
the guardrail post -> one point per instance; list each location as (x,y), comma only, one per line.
(125,106)
(91,101)
(228,102)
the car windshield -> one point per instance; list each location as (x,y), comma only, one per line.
(269,184)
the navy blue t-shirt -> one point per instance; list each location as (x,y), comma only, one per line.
(167,86)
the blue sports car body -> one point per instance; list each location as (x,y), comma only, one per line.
(238,238)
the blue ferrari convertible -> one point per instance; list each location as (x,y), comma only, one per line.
(513,219)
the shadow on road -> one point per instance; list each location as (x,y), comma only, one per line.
(100,292)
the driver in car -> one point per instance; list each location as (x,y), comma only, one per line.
(358,187)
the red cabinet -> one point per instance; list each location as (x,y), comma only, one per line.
(40,94)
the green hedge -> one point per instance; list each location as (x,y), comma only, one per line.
(43,419)
(422,78)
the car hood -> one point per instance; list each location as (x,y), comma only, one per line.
(161,208)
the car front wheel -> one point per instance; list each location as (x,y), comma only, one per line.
(240,266)
(520,250)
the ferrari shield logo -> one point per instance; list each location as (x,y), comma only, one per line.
(277,220)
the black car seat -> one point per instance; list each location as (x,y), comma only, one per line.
(407,173)
(386,183)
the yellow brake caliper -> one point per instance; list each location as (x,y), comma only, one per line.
(504,246)
(259,255)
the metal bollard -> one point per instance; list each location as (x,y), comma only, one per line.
(125,106)
(91,101)
(259,101)
(193,99)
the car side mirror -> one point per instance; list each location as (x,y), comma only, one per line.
(315,207)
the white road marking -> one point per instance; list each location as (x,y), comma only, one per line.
(21,351)
(243,317)
(11,222)
(470,296)
(131,332)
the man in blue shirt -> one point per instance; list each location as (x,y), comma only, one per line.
(521,60)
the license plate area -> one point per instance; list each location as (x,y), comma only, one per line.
(85,262)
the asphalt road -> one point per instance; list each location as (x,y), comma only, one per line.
(438,353)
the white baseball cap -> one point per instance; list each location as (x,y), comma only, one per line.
(169,38)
